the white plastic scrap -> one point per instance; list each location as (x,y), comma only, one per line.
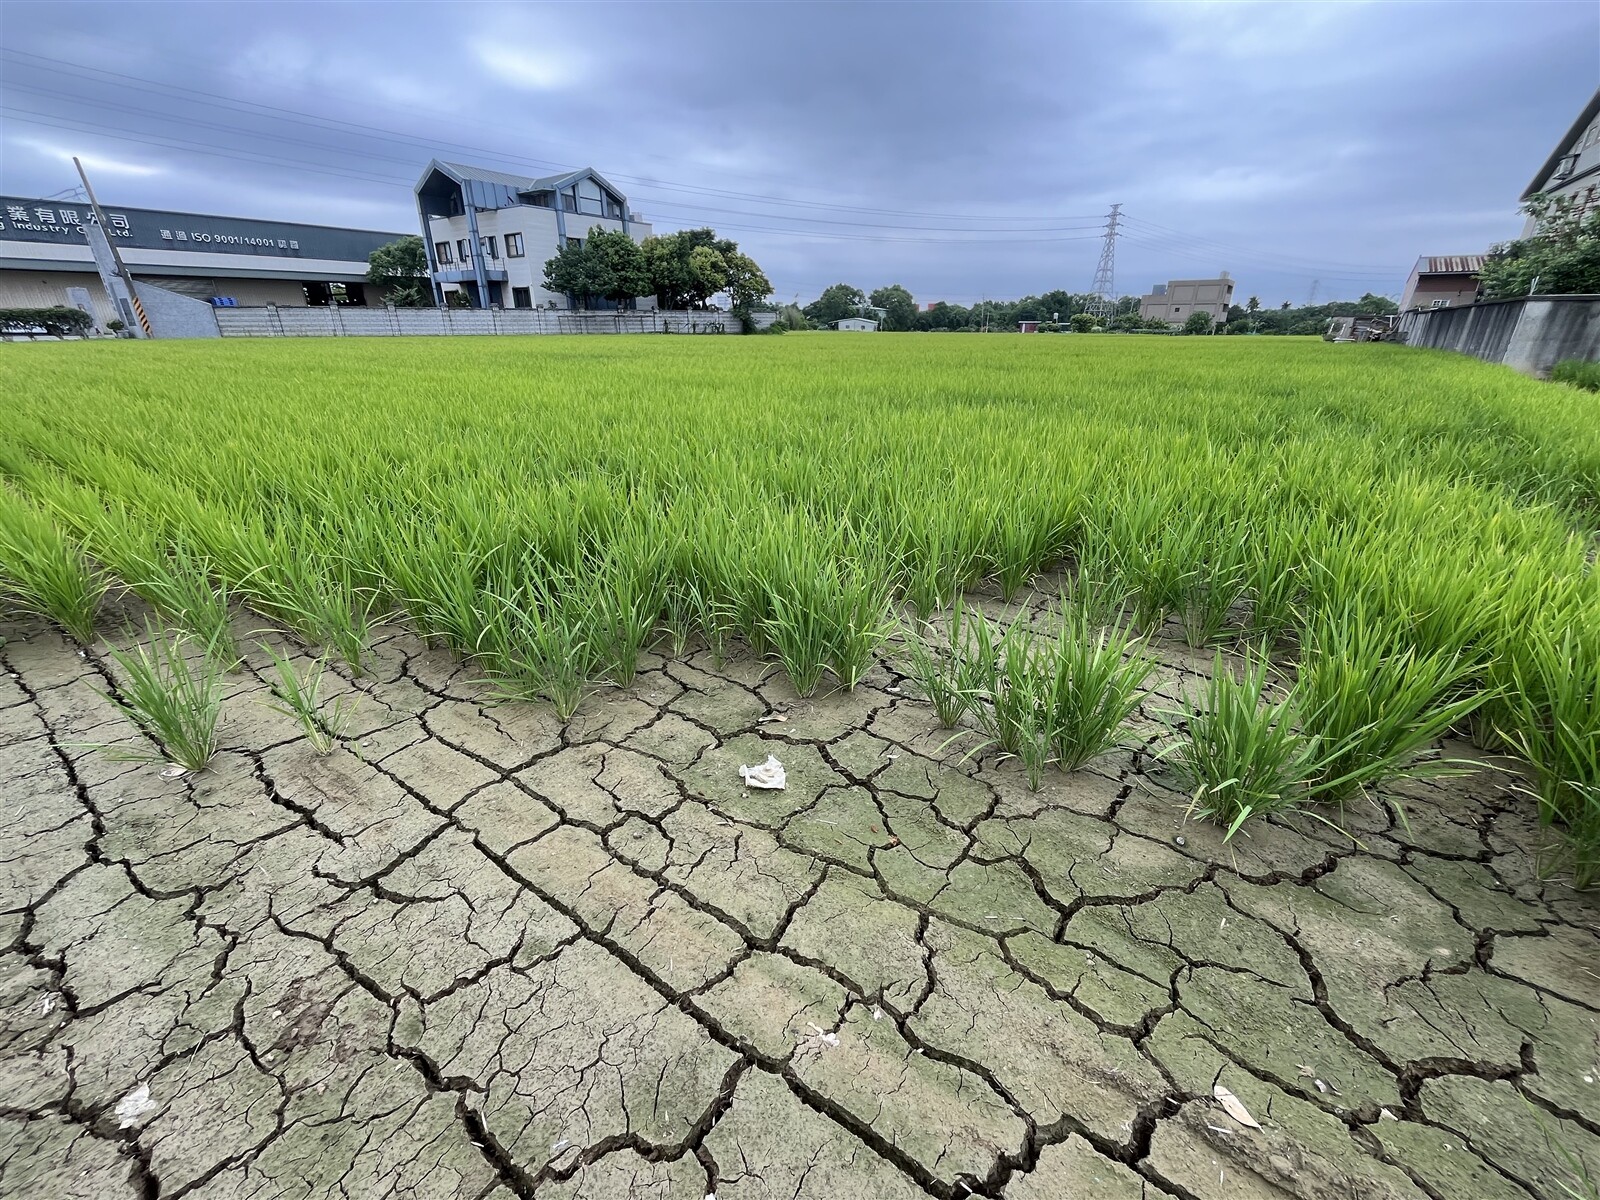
(823,1036)
(877,1013)
(173,771)
(1234,1107)
(769,775)
(133,1106)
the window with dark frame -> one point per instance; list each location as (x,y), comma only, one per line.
(486,242)
(442,252)
(465,246)
(514,248)
(521,298)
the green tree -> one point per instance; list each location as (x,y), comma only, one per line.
(837,302)
(1376,305)
(790,317)
(900,308)
(616,266)
(1253,305)
(573,272)
(746,284)
(1082,323)
(1198,322)
(402,267)
(689,267)
(1562,258)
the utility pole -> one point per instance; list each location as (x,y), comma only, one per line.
(113,273)
(1104,304)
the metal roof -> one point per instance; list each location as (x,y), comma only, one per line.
(521,183)
(1450,264)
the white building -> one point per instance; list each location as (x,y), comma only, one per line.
(489,233)
(856,325)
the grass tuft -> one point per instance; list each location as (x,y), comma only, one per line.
(174,699)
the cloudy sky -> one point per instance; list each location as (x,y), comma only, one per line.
(960,149)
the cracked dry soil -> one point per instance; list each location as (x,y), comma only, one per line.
(474,954)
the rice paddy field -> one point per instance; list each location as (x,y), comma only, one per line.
(1174,729)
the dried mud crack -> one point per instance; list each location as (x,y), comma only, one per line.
(475,953)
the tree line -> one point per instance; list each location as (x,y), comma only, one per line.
(682,270)
(897,310)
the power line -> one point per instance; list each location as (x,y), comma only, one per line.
(331,124)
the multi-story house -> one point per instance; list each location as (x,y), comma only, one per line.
(1573,168)
(489,234)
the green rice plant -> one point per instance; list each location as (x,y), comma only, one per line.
(1206,595)
(1005,679)
(942,670)
(1375,705)
(300,698)
(325,608)
(622,595)
(863,623)
(180,587)
(800,633)
(174,701)
(1241,754)
(539,645)
(1095,679)
(44,573)
(1554,723)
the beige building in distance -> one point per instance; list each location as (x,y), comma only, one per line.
(1442,281)
(1177,299)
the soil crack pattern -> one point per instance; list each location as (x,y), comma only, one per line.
(472,952)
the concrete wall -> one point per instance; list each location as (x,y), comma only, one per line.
(175,316)
(400,322)
(1530,333)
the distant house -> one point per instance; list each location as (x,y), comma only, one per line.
(1027,327)
(1573,168)
(1442,281)
(855,325)
(1177,299)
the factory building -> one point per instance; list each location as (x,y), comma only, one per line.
(226,261)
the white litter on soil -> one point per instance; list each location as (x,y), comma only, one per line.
(769,775)
(133,1106)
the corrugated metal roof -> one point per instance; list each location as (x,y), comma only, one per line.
(1451,264)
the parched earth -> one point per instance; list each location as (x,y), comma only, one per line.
(473,954)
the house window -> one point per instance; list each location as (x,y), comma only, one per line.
(514,250)
(1441,304)
(521,297)
(441,251)
(486,244)
(466,250)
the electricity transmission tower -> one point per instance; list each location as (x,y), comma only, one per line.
(1104,303)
